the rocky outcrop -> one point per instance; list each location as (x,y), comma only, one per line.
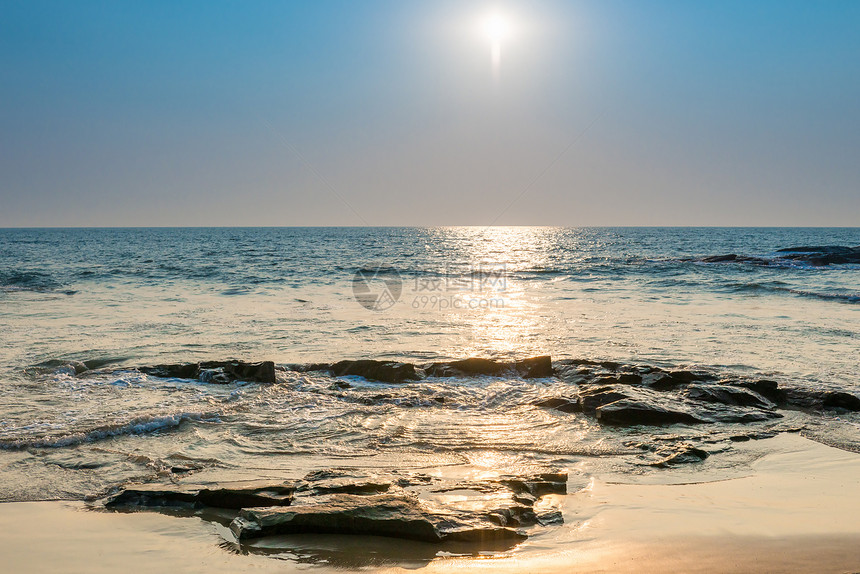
(822,254)
(218,372)
(396,516)
(400,505)
(626,395)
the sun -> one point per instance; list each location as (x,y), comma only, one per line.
(496,27)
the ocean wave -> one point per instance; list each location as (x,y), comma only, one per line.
(772,288)
(136,426)
(33,281)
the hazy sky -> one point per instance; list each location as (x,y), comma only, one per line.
(389,113)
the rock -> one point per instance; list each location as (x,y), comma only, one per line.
(535,367)
(629,378)
(719,258)
(383,371)
(348,486)
(592,398)
(820,255)
(219,372)
(816,399)
(841,400)
(766,388)
(563,404)
(684,455)
(728,395)
(550,518)
(472,366)
(537,485)
(232,496)
(178,371)
(667,382)
(263,372)
(396,516)
(629,412)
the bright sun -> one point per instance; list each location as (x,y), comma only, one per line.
(496,27)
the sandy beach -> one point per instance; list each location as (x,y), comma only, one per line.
(795,512)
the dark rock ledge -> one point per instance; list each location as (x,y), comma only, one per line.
(396,505)
(815,255)
(629,395)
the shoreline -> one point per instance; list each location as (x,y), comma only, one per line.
(795,511)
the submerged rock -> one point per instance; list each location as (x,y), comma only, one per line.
(397,516)
(684,454)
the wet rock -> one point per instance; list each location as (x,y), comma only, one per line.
(753,436)
(629,378)
(219,372)
(563,404)
(593,398)
(667,382)
(177,371)
(818,399)
(57,367)
(471,366)
(766,388)
(516,515)
(537,485)
(728,395)
(684,454)
(535,367)
(348,486)
(550,518)
(820,255)
(383,371)
(628,412)
(232,496)
(719,258)
(377,515)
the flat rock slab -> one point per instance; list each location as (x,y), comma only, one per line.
(397,516)
(229,496)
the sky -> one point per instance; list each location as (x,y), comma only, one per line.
(384,112)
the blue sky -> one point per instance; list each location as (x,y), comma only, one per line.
(389,113)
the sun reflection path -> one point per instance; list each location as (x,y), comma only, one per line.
(513,326)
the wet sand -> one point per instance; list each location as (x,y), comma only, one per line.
(798,510)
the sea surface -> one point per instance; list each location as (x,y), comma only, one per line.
(124,298)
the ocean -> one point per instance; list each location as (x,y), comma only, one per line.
(721,301)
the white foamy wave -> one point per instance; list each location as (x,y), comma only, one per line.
(137,426)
